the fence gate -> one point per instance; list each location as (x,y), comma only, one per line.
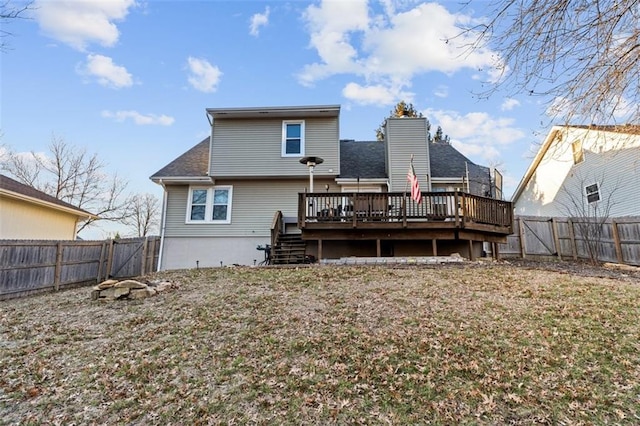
(128,256)
(537,236)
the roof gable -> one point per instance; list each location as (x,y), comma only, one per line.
(555,136)
(193,163)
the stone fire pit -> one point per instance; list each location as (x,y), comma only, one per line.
(128,289)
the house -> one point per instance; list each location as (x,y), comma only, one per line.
(281,176)
(583,171)
(26,213)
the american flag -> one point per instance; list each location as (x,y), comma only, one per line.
(416,195)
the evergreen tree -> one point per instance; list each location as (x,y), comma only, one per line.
(440,137)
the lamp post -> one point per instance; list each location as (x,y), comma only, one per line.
(311,162)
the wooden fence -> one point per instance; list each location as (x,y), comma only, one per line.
(563,238)
(28,266)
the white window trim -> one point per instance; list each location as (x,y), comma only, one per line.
(284,138)
(208,212)
(596,192)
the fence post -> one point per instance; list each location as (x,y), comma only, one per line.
(616,240)
(572,237)
(556,240)
(58,270)
(143,266)
(103,250)
(523,248)
(109,259)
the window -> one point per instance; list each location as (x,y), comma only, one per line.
(593,193)
(198,204)
(209,205)
(578,153)
(292,138)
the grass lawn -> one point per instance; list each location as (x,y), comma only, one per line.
(468,343)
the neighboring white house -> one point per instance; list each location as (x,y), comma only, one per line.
(583,171)
(26,213)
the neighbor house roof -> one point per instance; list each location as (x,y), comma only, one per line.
(364,160)
(192,165)
(14,189)
(630,129)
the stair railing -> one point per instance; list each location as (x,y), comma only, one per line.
(277,228)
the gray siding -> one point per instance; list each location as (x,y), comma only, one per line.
(406,137)
(253,206)
(253,147)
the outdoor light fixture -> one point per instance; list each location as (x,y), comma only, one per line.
(311,162)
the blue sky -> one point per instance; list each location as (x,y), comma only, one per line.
(130,80)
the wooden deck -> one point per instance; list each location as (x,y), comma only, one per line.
(395,216)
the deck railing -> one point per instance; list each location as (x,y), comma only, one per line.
(458,207)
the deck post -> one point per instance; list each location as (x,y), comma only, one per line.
(378,250)
(434,247)
(404,211)
(319,249)
(496,250)
(472,255)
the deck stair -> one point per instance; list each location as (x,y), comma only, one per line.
(289,249)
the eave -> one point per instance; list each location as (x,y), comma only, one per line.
(310,111)
(81,214)
(181,179)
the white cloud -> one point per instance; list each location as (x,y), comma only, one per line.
(509,103)
(139,119)
(374,94)
(392,47)
(441,91)
(258,20)
(476,133)
(80,22)
(106,72)
(330,26)
(203,76)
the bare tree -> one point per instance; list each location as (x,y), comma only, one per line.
(10,11)
(584,55)
(143,217)
(72,175)
(588,202)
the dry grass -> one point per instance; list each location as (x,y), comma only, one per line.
(465,343)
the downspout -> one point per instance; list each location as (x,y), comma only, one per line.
(163,222)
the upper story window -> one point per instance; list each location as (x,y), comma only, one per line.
(209,205)
(578,153)
(293,138)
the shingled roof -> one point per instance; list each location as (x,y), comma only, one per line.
(358,159)
(193,163)
(448,162)
(362,159)
(631,129)
(16,189)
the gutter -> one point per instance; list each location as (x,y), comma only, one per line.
(162,224)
